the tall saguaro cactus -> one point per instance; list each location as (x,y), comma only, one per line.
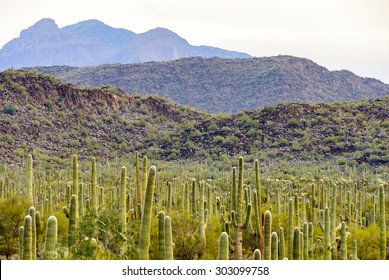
(239,214)
(267,236)
(168,239)
(30,195)
(27,238)
(144,242)
(122,199)
(73,220)
(94,201)
(161,235)
(75,175)
(382,224)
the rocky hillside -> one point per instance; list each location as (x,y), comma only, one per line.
(92,42)
(41,115)
(229,85)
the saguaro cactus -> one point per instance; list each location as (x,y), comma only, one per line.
(161,235)
(73,220)
(33,232)
(274,246)
(75,175)
(122,199)
(223,246)
(343,242)
(267,235)
(50,252)
(382,224)
(144,242)
(29,195)
(21,242)
(168,239)
(296,243)
(27,238)
(94,186)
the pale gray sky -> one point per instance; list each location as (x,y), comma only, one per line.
(337,34)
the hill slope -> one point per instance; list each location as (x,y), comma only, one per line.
(53,120)
(229,85)
(92,42)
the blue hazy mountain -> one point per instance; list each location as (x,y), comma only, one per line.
(92,42)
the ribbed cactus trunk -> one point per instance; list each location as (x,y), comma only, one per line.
(239,214)
(274,246)
(267,236)
(33,232)
(343,242)
(144,242)
(21,242)
(123,199)
(290,229)
(50,252)
(382,223)
(333,223)
(281,245)
(354,255)
(27,238)
(168,239)
(296,244)
(193,199)
(137,180)
(73,220)
(144,170)
(305,242)
(75,175)
(161,235)
(223,246)
(29,194)
(327,236)
(202,223)
(94,201)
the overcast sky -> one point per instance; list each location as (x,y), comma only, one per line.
(337,34)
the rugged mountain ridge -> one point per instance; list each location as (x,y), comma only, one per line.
(229,85)
(92,42)
(51,119)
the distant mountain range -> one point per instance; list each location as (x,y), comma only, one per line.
(229,85)
(92,42)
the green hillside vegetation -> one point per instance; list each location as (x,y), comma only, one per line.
(43,116)
(229,85)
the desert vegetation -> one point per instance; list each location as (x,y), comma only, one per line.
(137,208)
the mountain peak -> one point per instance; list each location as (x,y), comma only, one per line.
(43,25)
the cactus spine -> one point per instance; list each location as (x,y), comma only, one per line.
(50,252)
(144,242)
(223,246)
